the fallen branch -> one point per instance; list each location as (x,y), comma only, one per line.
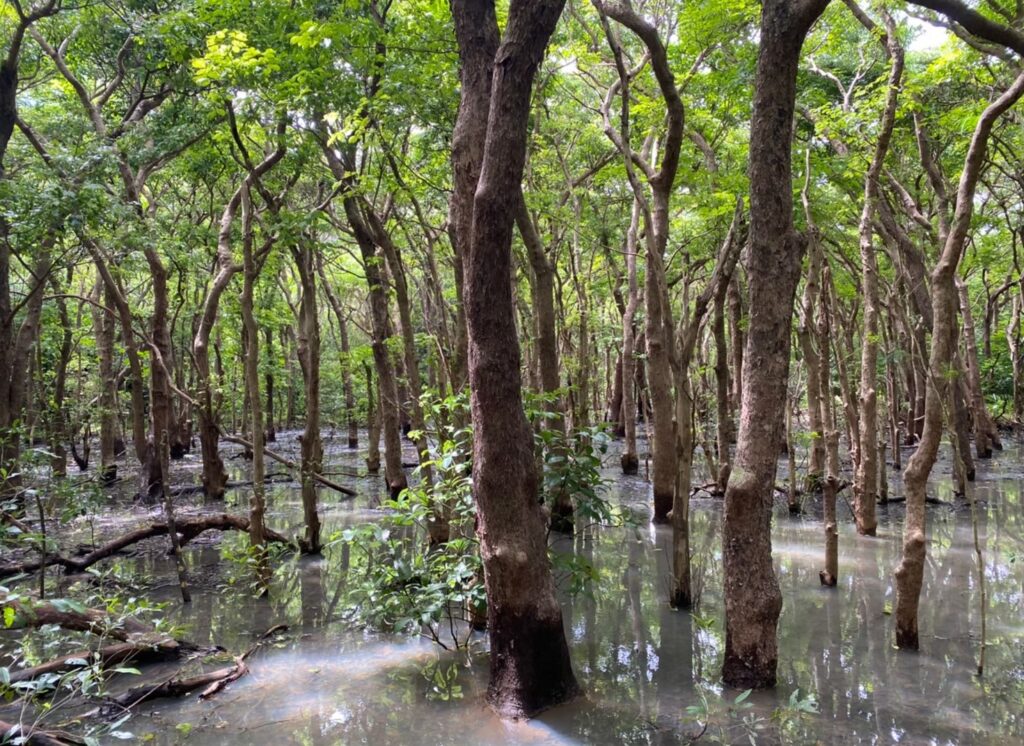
(32,736)
(188,529)
(290,464)
(31,614)
(140,651)
(211,682)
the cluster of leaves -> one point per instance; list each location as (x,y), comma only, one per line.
(43,697)
(399,582)
(735,721)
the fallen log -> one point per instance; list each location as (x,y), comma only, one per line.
(291,464)
(32,736)
(110,655)
(188,529)
(136,640)
(67,615)
(211,682)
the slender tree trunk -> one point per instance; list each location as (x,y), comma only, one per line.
(346,356)
(986,435)
(268,379)
(373,425)
(865,486)
(910,573)
(830,488)
(309,360)
(103,326)
(630,461)
(257,501)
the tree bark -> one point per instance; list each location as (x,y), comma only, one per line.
(986,434)
(630,461)
(309,360)
(865,486)
(752,597)
(530,666)
(910,573)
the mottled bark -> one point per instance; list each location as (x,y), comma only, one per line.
(529,658)
(752,597)
(910,573)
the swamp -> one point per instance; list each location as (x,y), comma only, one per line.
(528,372)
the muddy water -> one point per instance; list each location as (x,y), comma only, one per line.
(642,664)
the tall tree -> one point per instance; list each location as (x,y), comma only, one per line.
(529,659)
(752,597)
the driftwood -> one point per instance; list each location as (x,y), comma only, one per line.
(211,682)
(188,529)
(137,641)
(37,736)
(140,651)
(291,464)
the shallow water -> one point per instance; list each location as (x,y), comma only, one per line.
(641,663)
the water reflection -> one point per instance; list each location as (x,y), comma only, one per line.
(641,662)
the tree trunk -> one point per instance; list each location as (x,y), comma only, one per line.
(910,573)
(986,435)
(103,325)
(373,425)
(630,461)
(530,666)
(309,360)
(865,485)
(752,597)
(346,355)
(257,502)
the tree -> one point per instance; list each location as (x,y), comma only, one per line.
(530,666)
(752,597)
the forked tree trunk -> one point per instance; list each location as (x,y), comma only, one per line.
(655,212)
(529,658)
(910,573)
(752,596)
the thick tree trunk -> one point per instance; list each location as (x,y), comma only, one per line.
(752,597)
(530,666)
